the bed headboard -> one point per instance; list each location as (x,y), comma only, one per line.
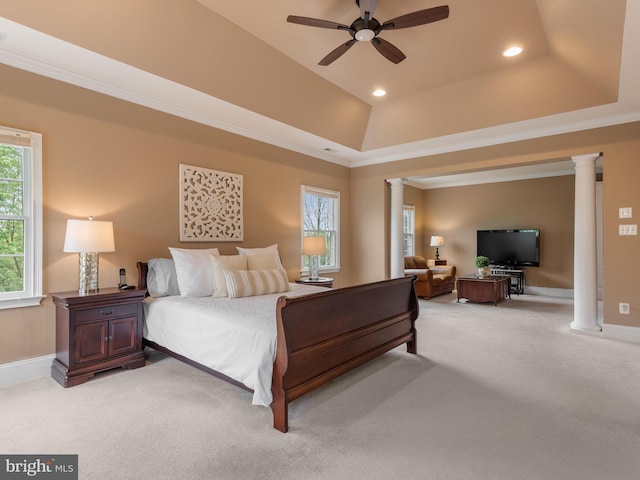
(143,269)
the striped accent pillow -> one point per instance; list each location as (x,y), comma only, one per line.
(248,283)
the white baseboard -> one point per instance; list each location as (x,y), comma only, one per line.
(621,332)
(549,292)
(23,370)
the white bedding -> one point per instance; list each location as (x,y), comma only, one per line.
(236,337)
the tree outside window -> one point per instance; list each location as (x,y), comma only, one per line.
(320,217)
(12,252)
(20,218)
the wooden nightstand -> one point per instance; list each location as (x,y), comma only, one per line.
(320,281)
(96,332)
(436,263)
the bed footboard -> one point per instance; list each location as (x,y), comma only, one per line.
(324,335)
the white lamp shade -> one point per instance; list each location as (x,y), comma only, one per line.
(89,236)
(437,241)
(314,246)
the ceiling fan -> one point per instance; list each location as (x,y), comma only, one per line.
(366,28)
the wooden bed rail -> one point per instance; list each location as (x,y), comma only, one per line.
(324,335)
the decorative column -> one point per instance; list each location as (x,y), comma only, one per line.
(585,309)
(396,255)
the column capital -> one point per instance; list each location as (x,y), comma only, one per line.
(586,158)
(396,182)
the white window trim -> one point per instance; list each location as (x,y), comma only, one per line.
(32,198)
(331,193)
(407,206)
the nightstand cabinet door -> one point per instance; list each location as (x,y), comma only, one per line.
(122,336)
(91,342)
(96,332)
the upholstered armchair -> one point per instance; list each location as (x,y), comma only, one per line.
(430,281)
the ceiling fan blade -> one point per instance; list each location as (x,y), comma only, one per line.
(367,6)
(337,53)
(388,50)
(316,22)
(414,19)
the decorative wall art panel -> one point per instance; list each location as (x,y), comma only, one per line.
(210,205)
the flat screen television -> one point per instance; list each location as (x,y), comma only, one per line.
(510,248)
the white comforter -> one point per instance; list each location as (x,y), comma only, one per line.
(236,337)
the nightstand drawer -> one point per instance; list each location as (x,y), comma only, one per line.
(105,312)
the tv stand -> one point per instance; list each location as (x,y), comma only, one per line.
(517,277)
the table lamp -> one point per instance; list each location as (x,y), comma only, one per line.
(314,246)
(89,238)
(437,241)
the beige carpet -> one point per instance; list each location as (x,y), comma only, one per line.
(496,393)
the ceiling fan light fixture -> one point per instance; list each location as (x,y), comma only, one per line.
(366,28)
(365,35)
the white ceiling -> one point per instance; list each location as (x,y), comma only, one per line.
(438,54)
(461,49)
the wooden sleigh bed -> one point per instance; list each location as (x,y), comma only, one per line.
(322,335)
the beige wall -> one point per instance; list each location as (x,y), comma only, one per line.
(621,254)
(545,203)
(119,162)
(621,147)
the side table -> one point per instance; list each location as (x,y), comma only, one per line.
(493,289)
(436,263)
(320,281)
(96,332)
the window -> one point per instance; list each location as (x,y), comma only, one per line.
(20,218)
(409,230)
(321,217)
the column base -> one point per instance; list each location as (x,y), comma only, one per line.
(595,331)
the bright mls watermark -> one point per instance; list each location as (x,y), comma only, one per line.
(50,467)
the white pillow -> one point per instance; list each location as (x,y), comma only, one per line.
(162,279)
(247,283)
(221,263)
(271,249)
(194,270)
(262,261)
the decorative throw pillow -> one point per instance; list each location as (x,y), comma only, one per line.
(194,270)
(248,283)
(221,263)
(162,279)
(271,249)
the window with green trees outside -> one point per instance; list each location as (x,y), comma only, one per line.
(20,218)
(11,219)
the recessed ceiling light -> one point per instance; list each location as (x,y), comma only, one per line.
(379,93)
(512,52)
